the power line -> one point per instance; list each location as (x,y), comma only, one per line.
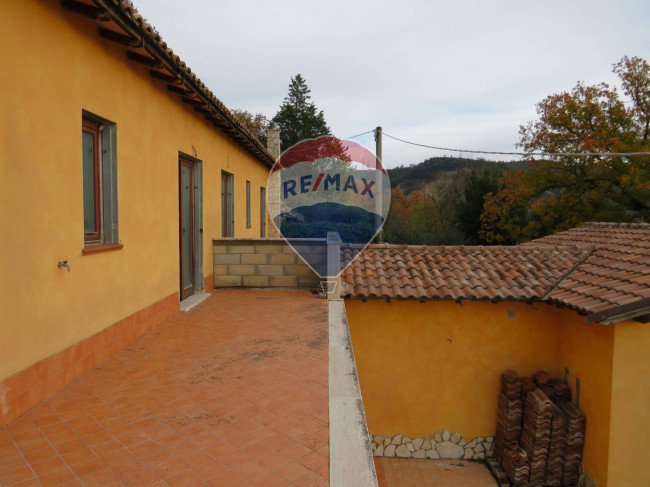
(359,135)
(525,154)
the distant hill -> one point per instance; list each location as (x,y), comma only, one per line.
(354,224)
(415,176)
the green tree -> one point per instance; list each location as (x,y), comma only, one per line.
(298,117)
(563,191)
(469,207)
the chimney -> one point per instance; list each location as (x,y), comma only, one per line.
(273,140)
(273,146)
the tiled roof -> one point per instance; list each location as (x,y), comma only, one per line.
(599,269)
(454,273)
(118,21)
(616,274)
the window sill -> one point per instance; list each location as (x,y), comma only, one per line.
(99,248)
(249,226)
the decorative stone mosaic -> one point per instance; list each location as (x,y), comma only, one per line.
(443,444)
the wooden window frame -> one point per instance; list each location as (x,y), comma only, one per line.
(92,127)
(105,236)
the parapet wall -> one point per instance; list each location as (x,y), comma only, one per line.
(264,262)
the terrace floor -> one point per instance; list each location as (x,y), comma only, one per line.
(409,472)
(234,392)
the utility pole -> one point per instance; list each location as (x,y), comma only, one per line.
(378,142)
(379,185)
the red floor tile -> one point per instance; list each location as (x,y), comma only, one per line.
(14,476)
(232,393)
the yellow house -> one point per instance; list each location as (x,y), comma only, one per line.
(434,327)
(119,167)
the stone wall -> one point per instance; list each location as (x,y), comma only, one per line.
(264,262)
(443,444)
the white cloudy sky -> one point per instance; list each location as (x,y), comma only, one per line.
(456,73)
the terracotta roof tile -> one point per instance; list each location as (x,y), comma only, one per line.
(617,273)
(487,273)
(593,268)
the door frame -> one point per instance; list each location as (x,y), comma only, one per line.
(196,225)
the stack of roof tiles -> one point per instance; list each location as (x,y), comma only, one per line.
(562,392)
(515,463)
(537,441)
(527,386)
(543,381)
(575,439)
(556,449)
(509,411)
(536,433)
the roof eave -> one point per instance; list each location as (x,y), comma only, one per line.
(112,10)
(422,299)
(638,310)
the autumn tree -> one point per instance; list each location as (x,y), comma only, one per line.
(298,117)
(420,218)
(401,225)
(255,124)
(577,181)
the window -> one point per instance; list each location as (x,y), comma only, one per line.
(99,180)
(263,212)
(227,206)
(248,204)
(92,207)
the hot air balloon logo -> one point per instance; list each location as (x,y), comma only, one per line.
(327,186)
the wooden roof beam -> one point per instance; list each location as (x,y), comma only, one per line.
(85,10)
(179,89)
(142,59)
(204,110)
(194,102)
(111,35)
(175,80)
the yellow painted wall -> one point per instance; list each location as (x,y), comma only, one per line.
(587,350)
(55,65)
(630,406)
(425,367)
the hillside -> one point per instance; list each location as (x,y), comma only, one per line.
(416,176)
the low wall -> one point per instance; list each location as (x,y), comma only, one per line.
(350,451)
(264,262)
(426,368)
(435,366)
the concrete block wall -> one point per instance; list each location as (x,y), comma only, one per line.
(264,262)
